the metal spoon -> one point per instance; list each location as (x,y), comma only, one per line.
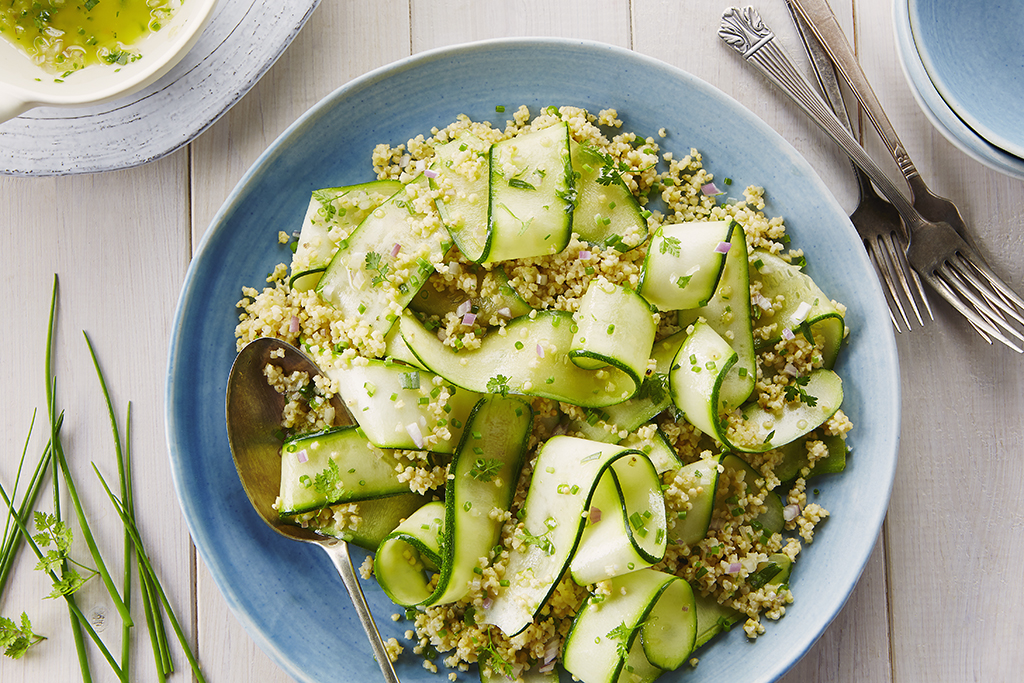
(253,418)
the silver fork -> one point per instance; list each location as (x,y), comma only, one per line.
(937,252)
(876,220)
(822,22)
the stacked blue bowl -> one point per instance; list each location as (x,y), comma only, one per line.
(964,62)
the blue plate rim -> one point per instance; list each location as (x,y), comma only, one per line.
(937,111)
(940,80)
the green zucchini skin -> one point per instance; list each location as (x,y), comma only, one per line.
(332,215)
(334,466)
(451,537)
(532,195)
(619,634)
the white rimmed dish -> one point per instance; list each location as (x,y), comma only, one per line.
(24,85)
(242,41)
(937,110)
(286,597)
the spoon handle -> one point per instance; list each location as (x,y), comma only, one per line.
(338,552)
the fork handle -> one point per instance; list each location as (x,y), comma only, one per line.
(744,31)
(822,22)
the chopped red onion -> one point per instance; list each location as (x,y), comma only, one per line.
(301,456)
(584,255)
(486,603)
(505,312)
(709,189)
(546,668)
(540,351)
(551,650)
(791,370)
(787,334)
(723,247)
(734,568)
(294,326)
(469,319)
(791,512)
(464,308)
(430,173)
(395,249)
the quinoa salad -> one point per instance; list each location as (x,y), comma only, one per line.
(587,385)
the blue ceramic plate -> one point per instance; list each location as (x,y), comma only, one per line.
(974,54)
(286,594)
(937,110)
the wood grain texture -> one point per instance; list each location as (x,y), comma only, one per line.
(938,601)
(954,524)
(117,242)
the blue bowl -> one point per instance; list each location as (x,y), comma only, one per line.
(286,594)
(974,54)
(937,110)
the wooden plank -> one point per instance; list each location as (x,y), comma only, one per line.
(119,244)
(460,21)
(954,522)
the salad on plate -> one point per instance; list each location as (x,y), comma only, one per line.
(586,382)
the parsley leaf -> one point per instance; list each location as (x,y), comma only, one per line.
(56,536)
(683,281)
(796,392)
(328,481)
(373,264)
(327,208)
(496,661)
(15,638)
(670,245)
(620,634)
(498,385)
(485,469)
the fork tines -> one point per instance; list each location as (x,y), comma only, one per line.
(902,285)
(963,279)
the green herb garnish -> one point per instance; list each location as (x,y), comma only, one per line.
(670,245)
(485,469)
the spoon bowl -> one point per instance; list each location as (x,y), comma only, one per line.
(253,410)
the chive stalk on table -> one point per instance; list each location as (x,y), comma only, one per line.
(153,595)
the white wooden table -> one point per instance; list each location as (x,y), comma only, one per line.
(941,598)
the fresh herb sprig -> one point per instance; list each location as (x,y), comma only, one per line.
(498,385)
(620,634)
(485,469)
(55,535)
(80,618)
(17,637)
(374,264)
(796,392)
